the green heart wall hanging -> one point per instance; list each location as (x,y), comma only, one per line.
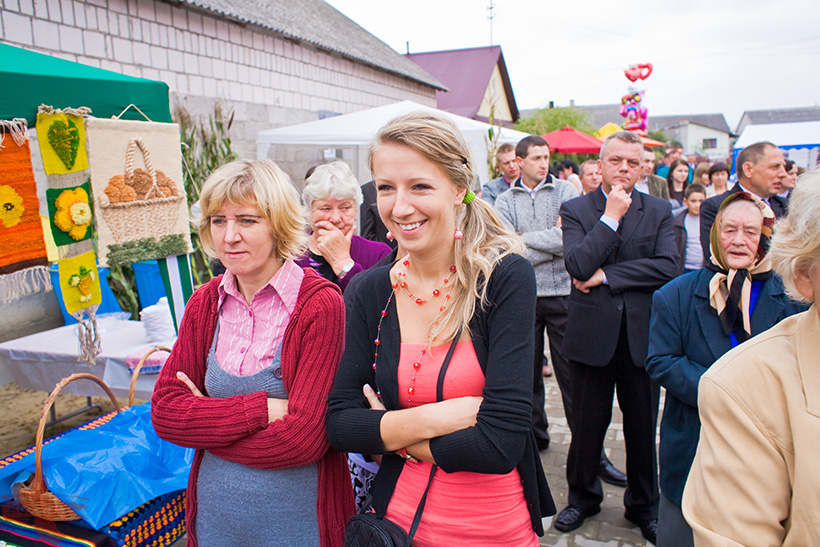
(64,138)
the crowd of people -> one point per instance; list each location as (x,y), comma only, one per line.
(398,374)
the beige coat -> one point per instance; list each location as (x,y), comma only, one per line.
(756,476)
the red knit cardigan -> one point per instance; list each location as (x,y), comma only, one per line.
(237,428)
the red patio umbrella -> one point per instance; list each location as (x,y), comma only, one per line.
(652,142)
(646,141)
(572,141)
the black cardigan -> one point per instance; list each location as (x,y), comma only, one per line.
(503,338)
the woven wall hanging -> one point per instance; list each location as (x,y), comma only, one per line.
(70,213)
(61,134)
(80,287)
(136,182)
(23,256)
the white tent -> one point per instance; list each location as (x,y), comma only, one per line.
(356,130)
(799,140)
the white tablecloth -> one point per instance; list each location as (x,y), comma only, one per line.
(41,360)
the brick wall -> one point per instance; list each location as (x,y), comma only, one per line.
(267,80)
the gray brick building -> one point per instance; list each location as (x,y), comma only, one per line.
(273,63)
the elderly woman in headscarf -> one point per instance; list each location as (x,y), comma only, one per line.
(755,478)
(331,198)
(698,317)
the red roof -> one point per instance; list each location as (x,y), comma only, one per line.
(466,72)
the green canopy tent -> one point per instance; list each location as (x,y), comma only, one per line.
(30,79)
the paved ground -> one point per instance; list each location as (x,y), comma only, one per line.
(607,528)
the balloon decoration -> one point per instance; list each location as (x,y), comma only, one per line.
(631,107)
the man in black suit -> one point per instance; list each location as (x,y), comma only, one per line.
(619,248)
(761,169)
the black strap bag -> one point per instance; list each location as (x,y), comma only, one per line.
(368,530)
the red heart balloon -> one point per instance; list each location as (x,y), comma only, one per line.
(632,73)
(645,70)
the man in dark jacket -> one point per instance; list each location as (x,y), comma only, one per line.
(619,248)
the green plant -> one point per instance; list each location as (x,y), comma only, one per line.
(123,284)
(206,145)
(492,145)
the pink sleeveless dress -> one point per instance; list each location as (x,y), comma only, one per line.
(462,508)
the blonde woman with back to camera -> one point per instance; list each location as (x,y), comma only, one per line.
(755,478)
(246,384)
(461,281)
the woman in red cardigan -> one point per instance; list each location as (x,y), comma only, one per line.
(247,382)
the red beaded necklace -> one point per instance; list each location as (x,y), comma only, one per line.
(401,282)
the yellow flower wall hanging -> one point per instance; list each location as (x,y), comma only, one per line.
(11,206)
(79,281)
(71,213)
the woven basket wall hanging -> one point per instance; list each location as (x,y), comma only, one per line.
(136,181)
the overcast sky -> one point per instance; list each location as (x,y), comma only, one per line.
(709,55)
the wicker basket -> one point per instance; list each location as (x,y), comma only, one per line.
(34,495)
(156,215)
(135,374)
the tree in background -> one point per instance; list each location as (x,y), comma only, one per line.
(545,120)
(658,135)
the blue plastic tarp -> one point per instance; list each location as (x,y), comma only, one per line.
(105,472)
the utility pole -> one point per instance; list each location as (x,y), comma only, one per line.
(490,17)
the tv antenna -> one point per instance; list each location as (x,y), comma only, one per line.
(490,17)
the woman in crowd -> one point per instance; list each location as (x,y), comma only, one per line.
(247,382)
(460,282)
(755,477)
(697,318)
(788,183)
(676,179)
(701,175)
(569,172)
(332,197)
(719,180)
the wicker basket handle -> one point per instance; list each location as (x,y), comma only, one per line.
(38,484)
(137,369)
(133,144)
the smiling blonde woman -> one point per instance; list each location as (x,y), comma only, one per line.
(459,287)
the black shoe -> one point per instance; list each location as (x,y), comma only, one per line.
(610,474)
(572,517)
(649,528)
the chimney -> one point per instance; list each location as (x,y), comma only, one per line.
(572,103)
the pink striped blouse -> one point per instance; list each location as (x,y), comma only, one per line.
(250,335)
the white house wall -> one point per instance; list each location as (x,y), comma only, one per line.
(494,95)
(693,144)
(268,81)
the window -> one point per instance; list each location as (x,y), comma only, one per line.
(709,143)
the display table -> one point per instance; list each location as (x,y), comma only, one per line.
(39,361)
